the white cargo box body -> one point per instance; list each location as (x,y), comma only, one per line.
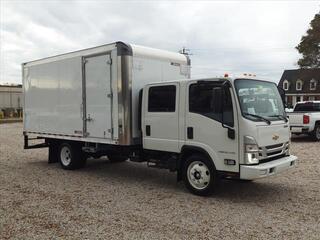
(93,95)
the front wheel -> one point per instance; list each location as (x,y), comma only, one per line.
(200,175)
(316,132)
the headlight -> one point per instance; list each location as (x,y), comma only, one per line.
(251,150)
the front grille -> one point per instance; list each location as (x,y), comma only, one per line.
(274,146)
(271,159)
(272,152)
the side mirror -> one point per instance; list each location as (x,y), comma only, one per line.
(282,93)
(231,133)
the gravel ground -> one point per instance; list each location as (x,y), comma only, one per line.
(131,201)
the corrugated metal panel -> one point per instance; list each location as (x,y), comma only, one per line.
(11,97)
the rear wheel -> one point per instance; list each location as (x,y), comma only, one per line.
(71,156)
(200,175)
(316,132)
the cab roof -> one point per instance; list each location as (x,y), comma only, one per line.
(220,79)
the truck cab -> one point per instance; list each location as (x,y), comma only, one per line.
(216,127)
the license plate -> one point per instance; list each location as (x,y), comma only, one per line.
(296,129)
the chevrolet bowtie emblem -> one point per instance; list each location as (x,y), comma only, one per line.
(275,137)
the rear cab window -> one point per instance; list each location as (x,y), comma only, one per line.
(162,99)
(307,107)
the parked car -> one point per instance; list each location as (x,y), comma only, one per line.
(305,119)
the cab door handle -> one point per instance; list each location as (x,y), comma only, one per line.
(148,130)
(190,132)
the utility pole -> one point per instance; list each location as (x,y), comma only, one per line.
(185,51)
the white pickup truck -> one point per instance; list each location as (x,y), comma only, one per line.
(305,119)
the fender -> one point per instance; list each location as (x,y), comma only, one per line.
(188,150)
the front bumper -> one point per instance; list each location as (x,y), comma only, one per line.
(250,172)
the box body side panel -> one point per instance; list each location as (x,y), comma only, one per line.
(53,97)
(54,94)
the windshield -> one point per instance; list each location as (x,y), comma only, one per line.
(259,100)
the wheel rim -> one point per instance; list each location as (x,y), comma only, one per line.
(198,175)
(65,155)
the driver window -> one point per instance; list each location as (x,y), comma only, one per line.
(202,101)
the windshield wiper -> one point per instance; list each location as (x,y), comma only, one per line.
(281,117)
(257,116)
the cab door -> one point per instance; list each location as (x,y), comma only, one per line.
(160,123)
(204,123)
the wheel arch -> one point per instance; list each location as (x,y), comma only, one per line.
(314,132)
(186,151)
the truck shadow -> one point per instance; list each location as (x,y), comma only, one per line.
(260,191)
(137,175)
(130,173)
(301,138)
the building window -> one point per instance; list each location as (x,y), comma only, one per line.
(286,85)
(313,84)
(299,99)
(299,85)
(311,98)
(162,99)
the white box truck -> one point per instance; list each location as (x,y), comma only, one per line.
(130,102)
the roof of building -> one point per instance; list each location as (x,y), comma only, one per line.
(305,75)
(11,85)
(17,88)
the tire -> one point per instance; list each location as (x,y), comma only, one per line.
(199,175)
(316,132)
(53,152)
(114,158)
(70,156)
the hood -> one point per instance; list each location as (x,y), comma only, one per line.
(272,134)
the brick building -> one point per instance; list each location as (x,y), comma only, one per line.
(301,85)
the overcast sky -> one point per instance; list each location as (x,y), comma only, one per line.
(236,37)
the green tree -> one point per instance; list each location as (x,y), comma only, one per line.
(309,46)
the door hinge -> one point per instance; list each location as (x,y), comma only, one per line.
(110,95)
(109,61)
(84,61)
